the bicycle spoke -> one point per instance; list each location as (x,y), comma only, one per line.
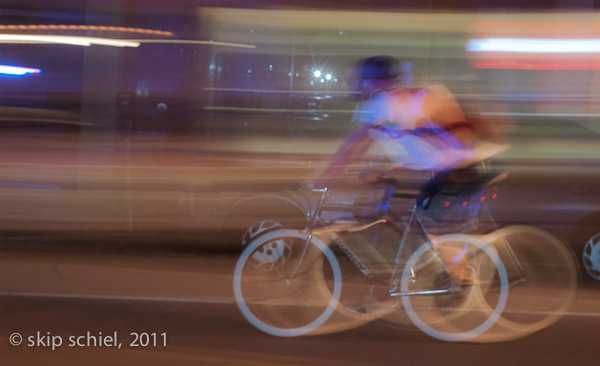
(474,305)
(278,293)
(308,301)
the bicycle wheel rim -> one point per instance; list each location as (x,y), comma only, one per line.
(444,327)
(549,282)
(328,295)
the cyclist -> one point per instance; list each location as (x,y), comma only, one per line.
(418,129)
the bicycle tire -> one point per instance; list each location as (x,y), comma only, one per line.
(549,283)
(455,323)
(246,219)
(287,316)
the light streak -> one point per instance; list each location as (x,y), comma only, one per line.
(69,40)
(88,41)
(84,28)
(191,41)
(17,70)
(533,45)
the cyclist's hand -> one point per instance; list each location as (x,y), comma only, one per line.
(369,176)
(311,184)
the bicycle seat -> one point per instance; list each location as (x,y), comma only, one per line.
(466,181)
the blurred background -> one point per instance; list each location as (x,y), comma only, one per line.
(132,133)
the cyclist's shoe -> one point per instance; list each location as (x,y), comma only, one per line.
(374,306)
(455,263)
(462,273)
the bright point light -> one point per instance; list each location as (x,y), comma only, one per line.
(317,74)
(534,45)
(17,70)
(328,76)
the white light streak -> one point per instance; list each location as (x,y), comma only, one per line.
(191,41)
(17,70)
(68,40)
(534,45)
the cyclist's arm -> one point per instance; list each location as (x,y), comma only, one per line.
(352,150)
(443,109)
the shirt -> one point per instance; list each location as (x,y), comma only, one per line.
(424,112)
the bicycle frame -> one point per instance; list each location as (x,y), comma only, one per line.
(396,222)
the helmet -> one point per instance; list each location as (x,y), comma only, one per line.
(379,67)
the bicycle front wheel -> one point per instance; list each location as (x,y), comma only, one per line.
(280,283)
(475,281)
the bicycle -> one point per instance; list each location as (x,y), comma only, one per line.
(436,301)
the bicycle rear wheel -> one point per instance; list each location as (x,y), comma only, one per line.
(544,279)
(279,283)
(477,293)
